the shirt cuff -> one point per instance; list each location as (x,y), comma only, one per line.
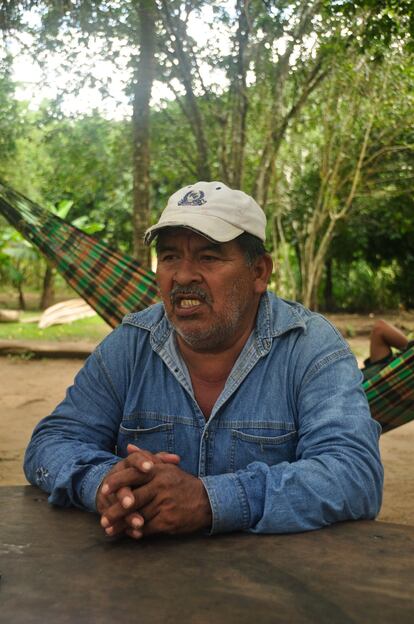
(229,505)
(92,481)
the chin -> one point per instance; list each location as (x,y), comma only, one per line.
(200,340)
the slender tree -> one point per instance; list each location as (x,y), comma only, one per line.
(142,87)
(361,127)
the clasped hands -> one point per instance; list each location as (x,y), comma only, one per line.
(148,493)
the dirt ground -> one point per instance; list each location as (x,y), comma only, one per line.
(31,389)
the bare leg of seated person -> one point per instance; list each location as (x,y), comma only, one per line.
(383,337)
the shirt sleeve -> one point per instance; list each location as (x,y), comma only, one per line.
(72,449)
(337,474)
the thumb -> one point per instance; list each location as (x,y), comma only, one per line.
(131,448)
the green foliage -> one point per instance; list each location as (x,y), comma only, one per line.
(19,260)
(383,233)
(357,287)
(383,21)
(79,169)
(11,126)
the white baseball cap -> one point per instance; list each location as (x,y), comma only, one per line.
(213,210)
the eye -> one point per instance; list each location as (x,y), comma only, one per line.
(209,258)
(168,257)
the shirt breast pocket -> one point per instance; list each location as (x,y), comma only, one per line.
(153,439)
(270,449)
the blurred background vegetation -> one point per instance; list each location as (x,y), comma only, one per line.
(309,106)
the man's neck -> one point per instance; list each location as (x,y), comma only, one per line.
(212,367)
(209,370)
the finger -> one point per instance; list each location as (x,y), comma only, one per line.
(164,456)
(117,512)
(115,529)
(112,515)
(125,497)
(141,462)
(103,502)
(132,449)
(169,458)
(134,533)
(135,521)
(150,510)
(128,477)
(121,465)
(131,522)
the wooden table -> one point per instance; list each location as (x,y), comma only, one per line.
(57,566)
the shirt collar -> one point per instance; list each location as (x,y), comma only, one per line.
(276,317)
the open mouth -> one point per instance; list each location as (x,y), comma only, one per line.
(187,303)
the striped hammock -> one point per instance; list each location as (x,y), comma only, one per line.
(114,284)
(390,392)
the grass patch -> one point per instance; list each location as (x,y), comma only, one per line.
(92,329)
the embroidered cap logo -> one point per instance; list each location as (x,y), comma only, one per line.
(193,198)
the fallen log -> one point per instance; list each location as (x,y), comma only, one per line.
(39,349)
(9,316)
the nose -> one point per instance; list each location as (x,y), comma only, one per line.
(187,273)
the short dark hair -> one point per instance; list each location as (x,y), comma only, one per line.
(251,246)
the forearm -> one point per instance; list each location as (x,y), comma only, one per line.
(72,449)
(69,470)
(292,497)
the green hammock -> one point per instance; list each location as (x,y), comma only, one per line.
(114,284)
(390,392)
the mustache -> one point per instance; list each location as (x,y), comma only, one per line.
(179,291)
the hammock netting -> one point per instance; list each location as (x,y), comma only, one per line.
(112,284)
(115,284)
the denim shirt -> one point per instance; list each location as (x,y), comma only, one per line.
(289,446)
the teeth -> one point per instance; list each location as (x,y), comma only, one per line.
(189,303)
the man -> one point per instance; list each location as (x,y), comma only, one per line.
(231,408)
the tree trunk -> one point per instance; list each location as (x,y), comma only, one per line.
(143,80)
(240,101)
(48,290)
(22,302)
(330,304)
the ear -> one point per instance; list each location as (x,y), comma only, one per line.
(262,268)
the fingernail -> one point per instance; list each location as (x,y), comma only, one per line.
(105,489)
(127,501)
(109,530)
(147,465)
(137,523)
(104,522)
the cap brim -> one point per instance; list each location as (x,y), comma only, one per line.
(213,228)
